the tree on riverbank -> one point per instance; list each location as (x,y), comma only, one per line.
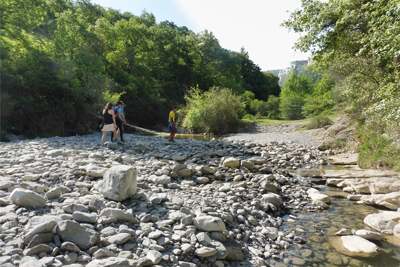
(358,43)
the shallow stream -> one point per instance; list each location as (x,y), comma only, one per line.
(319,229)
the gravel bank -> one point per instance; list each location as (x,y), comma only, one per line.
(287,133)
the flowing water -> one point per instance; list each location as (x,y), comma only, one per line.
(319,229)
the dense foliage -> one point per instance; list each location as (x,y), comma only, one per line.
(62,60)
(215,111)
(358,42)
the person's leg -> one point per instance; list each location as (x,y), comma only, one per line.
(112,137)
(103,138)
(122,133)
(173,132)
(116,135)
(119,125)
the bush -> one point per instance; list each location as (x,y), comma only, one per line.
(319,122)
(215,111)
(272,107)
(248,117)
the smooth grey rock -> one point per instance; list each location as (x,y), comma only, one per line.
(155,256)
(95,171)
(272,198)
(69,246)
(370,235)
(119,239)
(390,200)
(234,250)
(209,224)
(205,252)
(82,236)
(109,262)
(29,261)
(231,162)
(121,215)
(38,249)
(383,221)
(53,193)
(40,239)
(27,198)
(84,217)
(45,227)
(248,164)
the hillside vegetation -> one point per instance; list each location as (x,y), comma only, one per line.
(358,43)
(62,61)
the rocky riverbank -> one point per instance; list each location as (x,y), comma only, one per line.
(71,202)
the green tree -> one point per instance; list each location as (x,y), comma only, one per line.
(292,97)
(19,17)
(321,99)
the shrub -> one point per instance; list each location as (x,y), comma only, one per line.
(248,117)
(272,107)
(215,110)
(319,122)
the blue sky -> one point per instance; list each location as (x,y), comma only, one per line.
(252,24)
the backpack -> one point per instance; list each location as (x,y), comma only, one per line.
(116,111)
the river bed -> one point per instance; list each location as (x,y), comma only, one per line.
(319,229)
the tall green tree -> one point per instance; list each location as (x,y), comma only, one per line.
(293,95)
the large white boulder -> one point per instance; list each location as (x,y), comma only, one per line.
(119,183)
(358,246)
(383,221)
(390,200)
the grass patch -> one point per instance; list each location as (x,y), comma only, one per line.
(379,152)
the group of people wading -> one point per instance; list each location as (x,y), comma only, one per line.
(114,120)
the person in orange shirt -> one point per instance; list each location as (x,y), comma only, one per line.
(172,124)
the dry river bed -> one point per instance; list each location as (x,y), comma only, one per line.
(68,201)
